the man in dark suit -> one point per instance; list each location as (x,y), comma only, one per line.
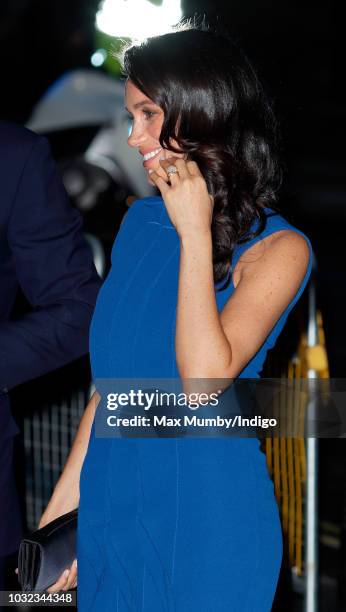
(43,251)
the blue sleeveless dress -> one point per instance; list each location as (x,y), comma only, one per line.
(170,524)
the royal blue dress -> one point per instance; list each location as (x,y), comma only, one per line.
(170,524)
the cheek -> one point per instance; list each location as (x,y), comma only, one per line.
(155,128)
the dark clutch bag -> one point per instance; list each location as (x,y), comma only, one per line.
(47,552)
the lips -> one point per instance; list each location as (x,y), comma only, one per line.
(151,155)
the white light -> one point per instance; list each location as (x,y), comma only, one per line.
(98,58)
(137,19)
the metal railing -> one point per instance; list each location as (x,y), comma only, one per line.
(316,364)
(293,461)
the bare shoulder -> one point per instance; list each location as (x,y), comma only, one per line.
(291,249)
(285,250)
(291,242)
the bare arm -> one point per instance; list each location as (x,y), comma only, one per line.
(202,347)
(213,345)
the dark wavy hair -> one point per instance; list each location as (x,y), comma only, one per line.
(216,110)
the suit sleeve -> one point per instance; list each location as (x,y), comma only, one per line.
(55,271)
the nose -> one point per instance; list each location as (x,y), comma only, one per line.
(136,136)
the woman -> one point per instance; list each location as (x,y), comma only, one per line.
(203,278)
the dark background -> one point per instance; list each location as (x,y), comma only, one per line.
(298,50)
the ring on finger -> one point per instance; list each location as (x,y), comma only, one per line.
(171,170)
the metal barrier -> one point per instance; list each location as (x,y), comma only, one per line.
(48,435)
(293,462)
(316,366)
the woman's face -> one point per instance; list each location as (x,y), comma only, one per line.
(147,120)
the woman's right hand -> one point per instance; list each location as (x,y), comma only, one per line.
(67,580)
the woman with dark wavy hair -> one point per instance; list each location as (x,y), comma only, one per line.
(203,277)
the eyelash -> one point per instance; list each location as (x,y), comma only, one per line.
(148,115)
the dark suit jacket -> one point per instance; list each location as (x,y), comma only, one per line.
(42,250)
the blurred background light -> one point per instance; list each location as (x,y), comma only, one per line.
(137,19)
(98,58)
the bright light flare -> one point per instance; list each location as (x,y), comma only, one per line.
(137,19)
(98,58)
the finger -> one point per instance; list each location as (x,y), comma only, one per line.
(173,161)
(167,161)
(60,583)
(72,576)
(182,168)
(161,172)
(173,178)
(16,570)
(159,182)
(70,580)
(193,168)
(74,584)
